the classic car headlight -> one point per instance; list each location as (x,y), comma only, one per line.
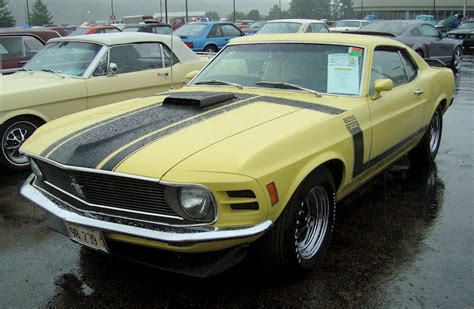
(196,202)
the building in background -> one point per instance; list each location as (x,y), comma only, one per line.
(409,9)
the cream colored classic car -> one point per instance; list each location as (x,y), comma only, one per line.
(77,73)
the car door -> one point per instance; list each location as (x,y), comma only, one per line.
(398,114)
(229,32)
(216,36)
(439,47)
(141,70)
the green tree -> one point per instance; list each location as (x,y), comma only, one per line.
(342,9)
(254,15)
(274,13)
(212,15)
(41,15)
(238,16)
(310,9)
(6,18)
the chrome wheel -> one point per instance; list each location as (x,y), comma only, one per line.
(435,132)
(458,59)
(13,138)
(312,222)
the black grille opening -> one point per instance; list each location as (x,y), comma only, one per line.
(241,193)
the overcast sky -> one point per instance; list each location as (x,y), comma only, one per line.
(75,11)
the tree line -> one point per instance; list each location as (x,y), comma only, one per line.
(39,15)
(312,9)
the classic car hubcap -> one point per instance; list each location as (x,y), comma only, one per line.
(458,59)
(312,222)
(12,140)
(435,132)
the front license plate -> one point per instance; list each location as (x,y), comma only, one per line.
(86,236)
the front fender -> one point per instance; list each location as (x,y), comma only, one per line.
(4,117)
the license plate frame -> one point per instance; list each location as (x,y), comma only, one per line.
(86,236)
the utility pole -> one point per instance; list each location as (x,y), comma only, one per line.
(112,7)
(434,8)
(166,11)
(279,5)
(186,1)
(234,11)
(28,12)
(362,9)
(465,8)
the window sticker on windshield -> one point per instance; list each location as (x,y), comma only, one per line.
(355,51)
(343,74)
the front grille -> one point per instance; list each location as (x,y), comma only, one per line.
(122,193)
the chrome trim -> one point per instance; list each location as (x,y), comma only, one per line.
(95,62)
(156,180)
(13,70)
(103,206)
(188,234)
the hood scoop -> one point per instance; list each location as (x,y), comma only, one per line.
(198,99)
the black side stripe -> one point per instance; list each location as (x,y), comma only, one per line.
(118,158)
(358,139)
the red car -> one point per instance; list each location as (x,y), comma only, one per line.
(95,29)
(63,30)
(19,45)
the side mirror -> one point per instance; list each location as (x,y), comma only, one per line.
(242,34)
(113,69)
(444,34)
(192,74)
(380,86)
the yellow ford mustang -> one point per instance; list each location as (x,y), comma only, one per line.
(254,153)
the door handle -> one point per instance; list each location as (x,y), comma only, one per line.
(163,74)
(418,91)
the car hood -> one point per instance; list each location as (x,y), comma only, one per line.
(147,138)
(17,90)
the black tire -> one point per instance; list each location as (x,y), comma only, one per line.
(210,49)
(425,152)
(20,128)
(456,60)
(282,248)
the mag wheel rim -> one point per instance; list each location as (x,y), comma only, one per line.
(13,139)
(458,59)
(435,132)
(312,222)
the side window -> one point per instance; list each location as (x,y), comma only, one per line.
(32,45)
(229,30)
(410,66)
(167,57)
(387,64)
(317,28)
(11,47)
(215,32)
(415,32)
(136,57)
(429,31)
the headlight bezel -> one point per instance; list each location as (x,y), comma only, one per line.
(172,196)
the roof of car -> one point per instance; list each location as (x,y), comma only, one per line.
(328,38)
(117,38)
(147,25)
(296,20)
(44,34)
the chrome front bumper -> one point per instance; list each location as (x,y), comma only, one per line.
(176,235)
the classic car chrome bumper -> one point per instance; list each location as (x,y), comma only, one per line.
(184,234)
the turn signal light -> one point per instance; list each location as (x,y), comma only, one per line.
(189,44)
(271,187)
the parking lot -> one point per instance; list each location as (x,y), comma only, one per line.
(404,240)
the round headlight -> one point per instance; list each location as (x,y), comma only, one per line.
(35,169)
(195,202)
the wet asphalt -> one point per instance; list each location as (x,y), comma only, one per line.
(404,240)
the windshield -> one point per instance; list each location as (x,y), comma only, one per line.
(80,31)
(131,29)
(257,24)
(67,58)
(282,27)
(190,30)
(467,26)
(396,28)
(425,18)
(348,23)
(333,69)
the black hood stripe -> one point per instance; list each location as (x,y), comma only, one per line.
(122,155)
(92,146)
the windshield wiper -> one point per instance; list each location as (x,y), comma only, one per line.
(27,70)
(285,85)
(218,82)
(53,71)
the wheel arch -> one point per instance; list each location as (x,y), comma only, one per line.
(23,113)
